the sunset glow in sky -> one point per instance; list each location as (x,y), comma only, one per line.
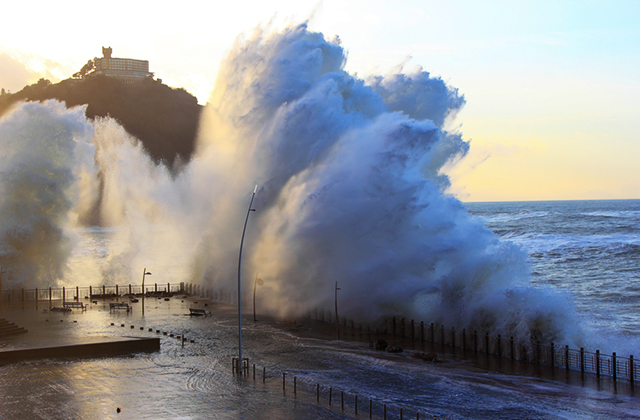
(552,87)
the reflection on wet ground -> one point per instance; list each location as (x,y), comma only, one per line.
(196,382)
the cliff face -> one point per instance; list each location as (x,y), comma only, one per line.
(164,119)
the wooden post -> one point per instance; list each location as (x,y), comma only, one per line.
(117,291)
(36,295)
(104,290)
(156,288)
(129,289)
(77,293)
(90,292)
(49,295)
(168,287)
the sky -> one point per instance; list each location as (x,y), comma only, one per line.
(552,87)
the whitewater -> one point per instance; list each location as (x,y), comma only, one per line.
(352,188)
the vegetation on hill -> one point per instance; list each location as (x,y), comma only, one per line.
(163,118)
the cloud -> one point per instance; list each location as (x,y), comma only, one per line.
(15,75)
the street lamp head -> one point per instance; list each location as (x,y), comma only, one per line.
(147,273)
(259,281)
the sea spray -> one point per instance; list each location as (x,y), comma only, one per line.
(46,160)
(352,190)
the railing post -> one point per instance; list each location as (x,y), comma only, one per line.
(49,294)
(475,341)
(422,331)
(464,339)
(539,352)
(413,337)
(90,292)
(130,289)
(513,350)
(614,367)
(433,333)
(631,369)
(64,295)
(117,291)
(486,343)
(553,356)
(499,345)
(598,364)
(168,287)
(36,295)
(77,293)
(393,326)
(22,297)
(403,335)
(453,338)
(582,359)
(156,289)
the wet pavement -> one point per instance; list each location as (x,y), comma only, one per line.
(193,380)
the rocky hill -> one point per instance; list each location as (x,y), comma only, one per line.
(163,118)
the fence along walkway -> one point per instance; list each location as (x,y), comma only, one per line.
(550,355)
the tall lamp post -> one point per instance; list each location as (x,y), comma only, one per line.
(144,273)
(337,320)
(258,282)
(239,285)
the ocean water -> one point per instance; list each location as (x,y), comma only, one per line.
(588,248)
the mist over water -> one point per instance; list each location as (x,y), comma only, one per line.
(351,189)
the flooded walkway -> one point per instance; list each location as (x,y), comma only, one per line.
(193,380)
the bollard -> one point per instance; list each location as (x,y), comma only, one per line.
(614,367)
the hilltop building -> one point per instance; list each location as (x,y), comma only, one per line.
(128,70)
